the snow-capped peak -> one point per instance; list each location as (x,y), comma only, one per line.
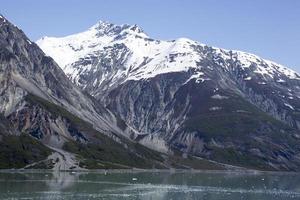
(106,28)
(133,55)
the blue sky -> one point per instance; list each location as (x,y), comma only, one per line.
(268,28)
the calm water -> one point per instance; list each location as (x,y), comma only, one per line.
(149,185)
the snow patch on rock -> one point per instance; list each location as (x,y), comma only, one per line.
(215,108)
(289,106)
(218,96)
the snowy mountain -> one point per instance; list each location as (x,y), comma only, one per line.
(181,95)
(48,122)
(136,56)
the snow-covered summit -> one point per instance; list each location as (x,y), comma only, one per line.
(125,52)
(150,56)
(103,28)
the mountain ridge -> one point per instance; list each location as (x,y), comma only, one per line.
(101,27)
(47,122)
(180,95)
(195,106)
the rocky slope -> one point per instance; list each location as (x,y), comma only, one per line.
(47,122)
(180,95)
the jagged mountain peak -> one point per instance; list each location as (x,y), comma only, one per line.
(105,28)
(151,57)
(100,35)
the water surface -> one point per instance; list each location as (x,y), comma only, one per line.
(155,185)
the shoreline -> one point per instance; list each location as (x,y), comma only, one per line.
(106,171)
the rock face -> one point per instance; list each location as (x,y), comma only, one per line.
(180,95)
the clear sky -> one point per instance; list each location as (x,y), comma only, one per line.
(268,28)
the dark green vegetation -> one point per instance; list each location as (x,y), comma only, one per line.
(5,127)
(234,157)
(185,162)
(19,151)
(94,157)
(235,117)
(238,133)
(249,130)
(110,154)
